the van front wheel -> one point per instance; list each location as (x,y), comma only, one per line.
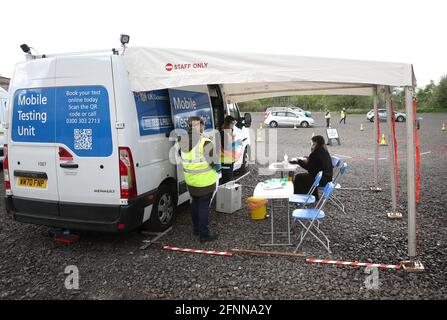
(162,215)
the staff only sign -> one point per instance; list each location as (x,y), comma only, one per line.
(186,66)
(185,104)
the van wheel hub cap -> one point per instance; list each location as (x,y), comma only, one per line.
(165,208)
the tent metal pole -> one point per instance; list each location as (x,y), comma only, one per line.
(411,177)
(376,140)
(391,148)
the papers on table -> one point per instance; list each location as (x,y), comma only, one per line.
(274,184)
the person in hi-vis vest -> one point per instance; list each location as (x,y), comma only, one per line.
(327,116)
(200,175)
(229,149)
(343,116)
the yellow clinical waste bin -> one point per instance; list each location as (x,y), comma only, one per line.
(258,208)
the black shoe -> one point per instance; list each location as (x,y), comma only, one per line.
(208,238)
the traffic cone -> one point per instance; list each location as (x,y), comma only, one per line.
(294,126)
(443,127)
(260,125)
(383,141)
(361,127)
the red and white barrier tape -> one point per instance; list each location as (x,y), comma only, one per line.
(218,253)
(360,264)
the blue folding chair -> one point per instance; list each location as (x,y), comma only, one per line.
(341,168)
(337,202)
(336,163)
(305,199)
(309,216)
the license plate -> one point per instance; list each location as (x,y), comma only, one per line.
(32,182)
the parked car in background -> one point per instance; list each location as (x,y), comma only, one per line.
(286,118)
(398,116)
(293,109)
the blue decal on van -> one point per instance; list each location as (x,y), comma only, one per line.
(33,118)
(83,120)
(78,117)
(185,104)
(154,113)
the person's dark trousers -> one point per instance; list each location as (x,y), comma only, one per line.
(302,184)
(342,120)
(328,122)
(199,214)
(227,173)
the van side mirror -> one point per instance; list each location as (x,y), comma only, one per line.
(247,120)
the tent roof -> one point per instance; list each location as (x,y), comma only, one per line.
(3,93)
(247,76)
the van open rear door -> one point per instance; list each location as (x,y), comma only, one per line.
(186,102)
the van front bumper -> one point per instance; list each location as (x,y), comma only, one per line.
(103,218)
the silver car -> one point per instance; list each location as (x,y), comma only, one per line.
(287,119)
(398,116)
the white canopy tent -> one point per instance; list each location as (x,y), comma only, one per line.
(246,76)
(3,93)
(253,76)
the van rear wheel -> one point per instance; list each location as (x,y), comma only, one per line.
(162,215)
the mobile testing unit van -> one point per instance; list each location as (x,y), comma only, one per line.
(85,152)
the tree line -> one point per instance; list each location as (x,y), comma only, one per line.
(430,98)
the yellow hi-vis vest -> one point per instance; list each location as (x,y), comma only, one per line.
(327,115)
(342,114)
(198,172)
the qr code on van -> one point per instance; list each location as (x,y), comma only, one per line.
(83,139)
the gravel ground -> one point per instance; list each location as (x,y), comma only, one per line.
(112,266)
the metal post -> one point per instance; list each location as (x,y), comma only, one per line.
(376,140)
(391,148)
(411,178)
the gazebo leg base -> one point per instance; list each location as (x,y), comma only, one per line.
(412,266)
(394,215)
(375,189)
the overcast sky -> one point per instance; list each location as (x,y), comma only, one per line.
(411,31)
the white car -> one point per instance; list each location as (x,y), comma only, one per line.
(398,116)
(287,118)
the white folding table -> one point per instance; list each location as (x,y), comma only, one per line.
(273,194)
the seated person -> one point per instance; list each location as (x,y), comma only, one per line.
(318,160)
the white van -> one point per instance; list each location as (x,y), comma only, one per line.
(3,113)
(84,152)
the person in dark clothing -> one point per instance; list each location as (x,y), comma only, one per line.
(318,160)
